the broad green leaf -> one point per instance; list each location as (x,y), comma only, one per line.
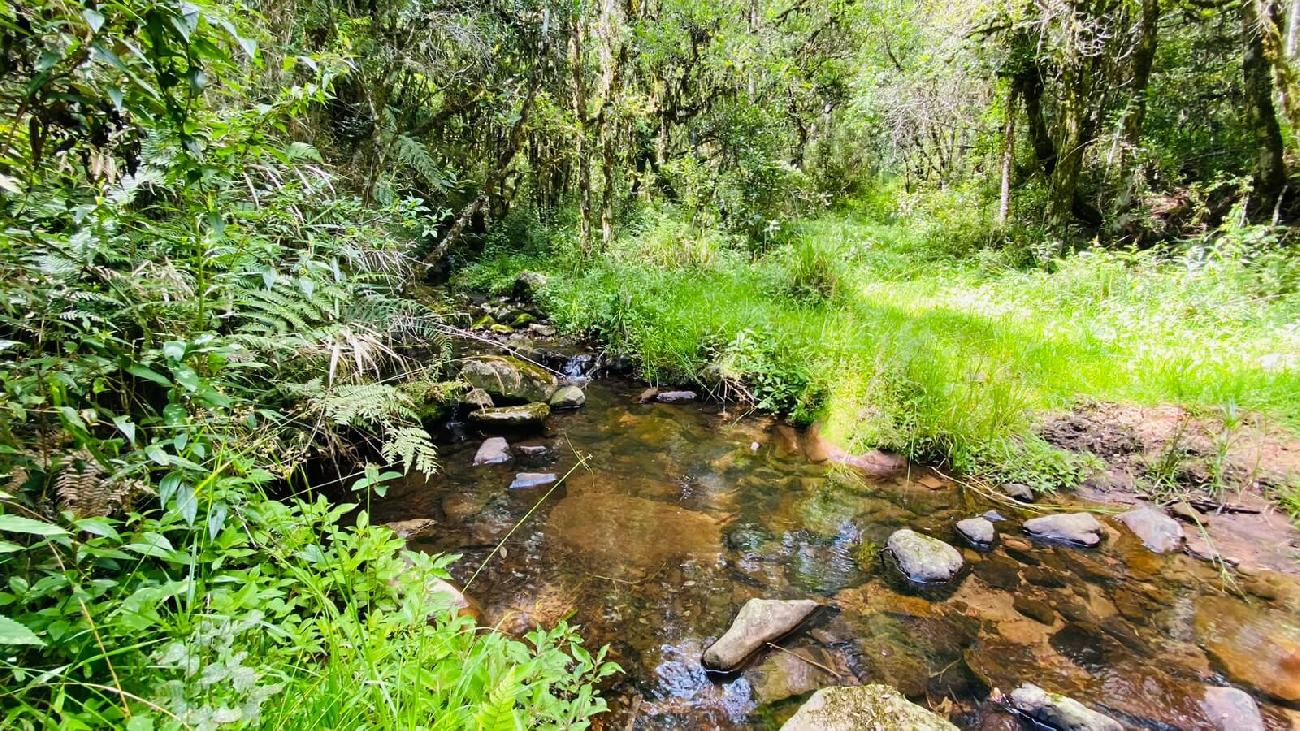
(148,374)
(174,349)
(13,633)
(7,547)
(19,524)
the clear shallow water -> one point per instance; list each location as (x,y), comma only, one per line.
(680,515)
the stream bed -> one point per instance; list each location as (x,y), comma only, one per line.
(678,515)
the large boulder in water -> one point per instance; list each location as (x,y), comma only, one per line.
(509,378)
(1059,712)
(511,417)
(1157,531)
(924,559)
(863,707)
(1078,529)
(760,621)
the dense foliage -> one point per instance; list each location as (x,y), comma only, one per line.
(194,310)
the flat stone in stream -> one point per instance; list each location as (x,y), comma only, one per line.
(675,397)
(760,621)
(977,531)
(494,450)
(411,528)
(1230,709)
(511,417)
(863,707)
(1078,529)
(1158,531)
(924,559)
(1059,712)
(525,480)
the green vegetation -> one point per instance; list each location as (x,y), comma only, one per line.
(923,223)
(195,317)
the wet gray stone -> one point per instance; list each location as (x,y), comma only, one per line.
(924,559)
(676,397)
(1158,531)
(1080,529)
(863,707)
(1059,712)
(977,531)
(760,621)
(494,450)
(525,480)
(1015,490)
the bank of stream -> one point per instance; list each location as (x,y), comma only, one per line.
(674,515)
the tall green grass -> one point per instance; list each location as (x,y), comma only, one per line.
(911,335)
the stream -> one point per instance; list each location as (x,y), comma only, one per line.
(678,515)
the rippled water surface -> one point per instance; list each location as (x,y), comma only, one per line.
(681,515)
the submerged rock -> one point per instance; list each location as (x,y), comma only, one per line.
(977,531)
(568,397)
(1080,529)
(1230,709)
(1158,531)
(924,559)
(784,675)
(1257,647)
(760,621)
(993,516)
(1059,712)
(494,450)
(863,707)
(511,416)
(509,378)
(411,528)
(525,480)
(676,397)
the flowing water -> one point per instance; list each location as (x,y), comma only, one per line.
(678,515)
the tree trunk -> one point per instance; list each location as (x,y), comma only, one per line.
(1008,155)
(576,55)
(1257,83)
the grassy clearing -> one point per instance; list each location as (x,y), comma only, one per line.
(900,334)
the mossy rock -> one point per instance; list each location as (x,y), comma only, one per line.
(525,415)
(509,379)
